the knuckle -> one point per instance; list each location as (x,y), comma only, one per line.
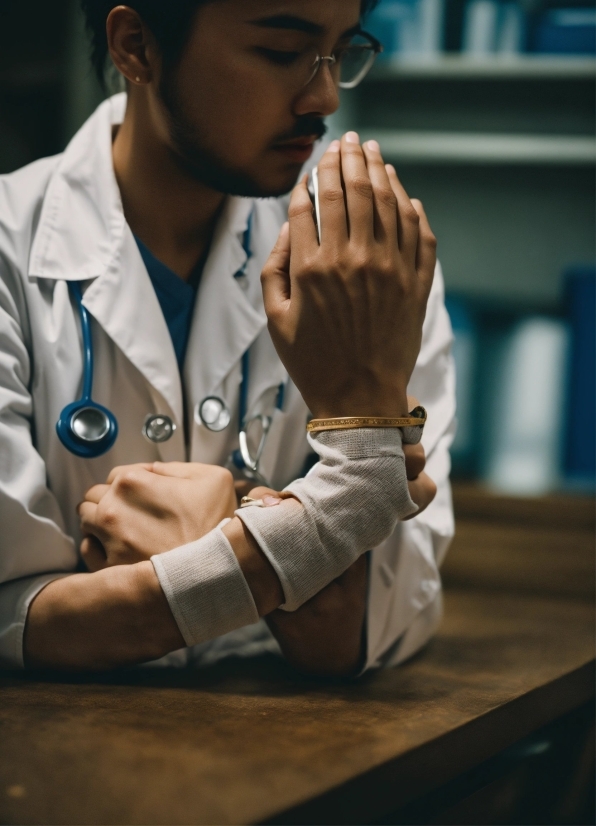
(127,480)
(225,477)
(108,516)
(410,215)
(362,186)
(299,207)
(331,195)
(329,161)
(386,197)
(387,267)
(359,262)
(430,239)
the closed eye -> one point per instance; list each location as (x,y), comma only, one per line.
(278,57)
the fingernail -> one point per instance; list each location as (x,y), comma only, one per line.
(334,146)
(352,137)
(373,146)
(269,501)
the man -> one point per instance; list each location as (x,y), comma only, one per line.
(156,194)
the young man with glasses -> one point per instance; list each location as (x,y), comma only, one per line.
(173,190)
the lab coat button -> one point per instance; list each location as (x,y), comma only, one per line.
(387,575)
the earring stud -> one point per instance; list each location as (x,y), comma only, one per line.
(138,79)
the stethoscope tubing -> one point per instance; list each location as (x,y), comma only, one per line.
(75,289)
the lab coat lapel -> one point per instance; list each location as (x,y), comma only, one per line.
(123,301)
(225,322)
(82,235)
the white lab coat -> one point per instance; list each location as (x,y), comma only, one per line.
(61,218)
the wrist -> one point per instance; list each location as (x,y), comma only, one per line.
(393,404)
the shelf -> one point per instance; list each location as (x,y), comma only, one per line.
(457,66)
(472,148)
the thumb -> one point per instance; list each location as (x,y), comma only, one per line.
(275,278)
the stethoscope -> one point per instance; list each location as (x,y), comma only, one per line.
(215,414)
(87,429)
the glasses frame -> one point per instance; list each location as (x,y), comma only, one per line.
(376,49)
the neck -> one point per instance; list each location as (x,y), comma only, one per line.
(172,214)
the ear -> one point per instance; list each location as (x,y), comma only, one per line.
(131,45)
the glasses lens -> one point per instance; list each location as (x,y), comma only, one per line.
(355,61)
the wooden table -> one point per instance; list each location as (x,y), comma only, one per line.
(250,742)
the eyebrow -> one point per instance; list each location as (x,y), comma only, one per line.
(298,24)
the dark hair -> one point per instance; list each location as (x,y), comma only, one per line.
(170,23)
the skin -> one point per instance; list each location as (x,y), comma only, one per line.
(375,264)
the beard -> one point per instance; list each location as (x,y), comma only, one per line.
(191,153)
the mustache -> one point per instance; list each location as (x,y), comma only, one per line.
(304,128)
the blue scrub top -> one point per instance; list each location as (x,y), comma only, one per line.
(176,298)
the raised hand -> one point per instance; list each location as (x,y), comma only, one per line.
(346,315)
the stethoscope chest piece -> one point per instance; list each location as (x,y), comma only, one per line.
(158,428)
(87,429)
(214,413)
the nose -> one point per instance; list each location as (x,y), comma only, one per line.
(320,96)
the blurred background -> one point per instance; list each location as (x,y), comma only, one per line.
(487,109)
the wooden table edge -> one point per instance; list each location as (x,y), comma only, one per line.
(396,782)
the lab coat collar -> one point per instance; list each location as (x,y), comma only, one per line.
(81,226)
(225,322)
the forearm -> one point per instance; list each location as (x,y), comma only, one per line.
(115,617)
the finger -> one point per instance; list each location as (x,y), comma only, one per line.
(384,200)
(96,493)
(88,518)
(359,195)
(303,232)
(407,218)
(422,491)
(332,204)
(120,469)
(426,255)
(275,277)
(93,554)
(269,496)
(412,402)
(415,460)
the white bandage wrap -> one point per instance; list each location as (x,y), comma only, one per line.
(205,588)
(351,501)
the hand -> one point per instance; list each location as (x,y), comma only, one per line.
(421,487)
(346,315)
(324,637)
(148,509)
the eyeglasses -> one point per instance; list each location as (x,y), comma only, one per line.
(348,65)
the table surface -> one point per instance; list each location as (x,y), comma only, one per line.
(250,742)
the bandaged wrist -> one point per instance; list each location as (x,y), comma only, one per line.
(205,588)
(350,502)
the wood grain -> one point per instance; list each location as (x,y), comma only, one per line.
(541,546)
(250,742)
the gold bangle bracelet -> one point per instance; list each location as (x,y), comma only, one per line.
(417,418)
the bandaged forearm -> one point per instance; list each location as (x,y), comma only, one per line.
(205,588)
(350,501)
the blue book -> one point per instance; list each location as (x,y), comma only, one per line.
(580,436)
(567,31)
